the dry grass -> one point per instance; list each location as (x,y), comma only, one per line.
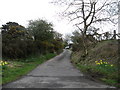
(107,51)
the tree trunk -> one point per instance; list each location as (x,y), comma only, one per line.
(84,44)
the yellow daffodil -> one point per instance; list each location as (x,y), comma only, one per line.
(1,61)
(111,65)
(101,63)
(106,62)
(3,64)
(100,60)
(98,63)
(6,62)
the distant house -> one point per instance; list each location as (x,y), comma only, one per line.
(67,47)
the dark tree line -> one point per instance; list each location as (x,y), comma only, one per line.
(38,38)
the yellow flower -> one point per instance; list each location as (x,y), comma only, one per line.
(3,64)
(6,62)
(111,65)
(105,62)
(98,63)
(100,60)
(1,61)
(101,63)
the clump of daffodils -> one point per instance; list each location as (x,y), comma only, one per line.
(3,63)
(103,63)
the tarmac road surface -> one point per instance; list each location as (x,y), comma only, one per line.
(58,72)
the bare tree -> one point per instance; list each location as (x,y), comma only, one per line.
(84,13)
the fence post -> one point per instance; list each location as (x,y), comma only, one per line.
(114,35)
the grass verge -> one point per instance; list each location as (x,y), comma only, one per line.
(101,62)
(15,69)
(107,74)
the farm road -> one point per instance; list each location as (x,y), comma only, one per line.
(58,72)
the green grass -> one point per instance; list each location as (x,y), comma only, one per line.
(109,75)
(107,51)
(15,69)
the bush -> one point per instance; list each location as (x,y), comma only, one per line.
(19,42)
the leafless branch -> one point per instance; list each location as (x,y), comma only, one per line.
(100,20)
(79,28)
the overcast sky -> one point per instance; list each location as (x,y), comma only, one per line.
(21,11)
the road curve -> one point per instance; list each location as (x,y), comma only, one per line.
(58,72)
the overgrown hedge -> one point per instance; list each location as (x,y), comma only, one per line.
(18,42)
